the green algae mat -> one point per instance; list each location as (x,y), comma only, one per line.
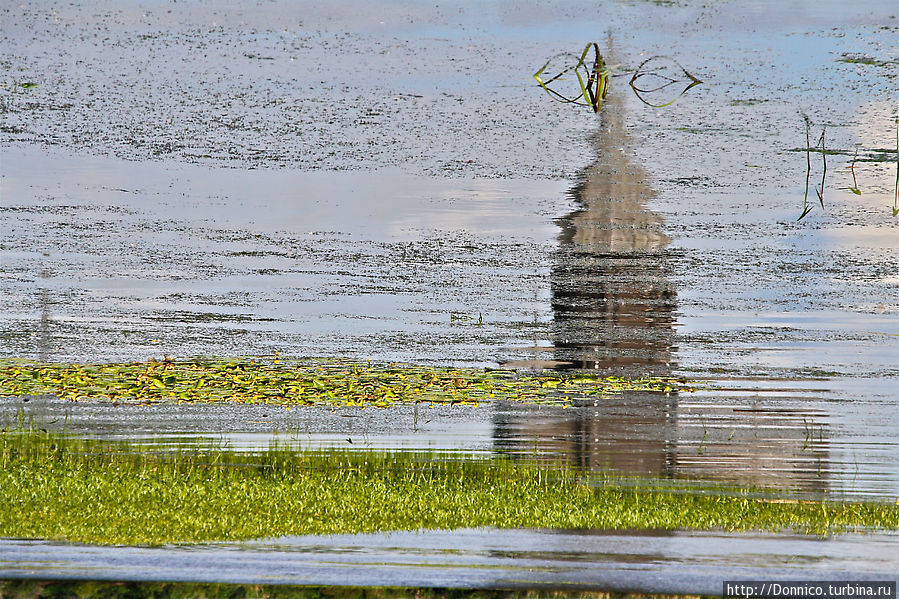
(112,492)
(282,381)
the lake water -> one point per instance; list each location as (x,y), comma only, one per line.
(389,184)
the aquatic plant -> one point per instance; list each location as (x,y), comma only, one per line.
(113,492)
(650,82)
(854,187)
(592,91)
(870,155)
(806,208)
(820,191)
(862,59)
(896,189)
(655,75)
(288,382)
(461,317)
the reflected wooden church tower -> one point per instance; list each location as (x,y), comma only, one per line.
(613,304)
(614,310)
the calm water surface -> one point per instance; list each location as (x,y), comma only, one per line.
(215,180)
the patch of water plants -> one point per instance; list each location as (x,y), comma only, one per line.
(655,82)
(113,492)
(873,155)
(276,380)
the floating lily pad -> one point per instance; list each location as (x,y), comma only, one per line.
(289,382)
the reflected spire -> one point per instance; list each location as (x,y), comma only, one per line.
(613,305)
(43,348)
(613,310)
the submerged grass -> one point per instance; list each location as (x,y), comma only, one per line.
(112,492)
(304,382)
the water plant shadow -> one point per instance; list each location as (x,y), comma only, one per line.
(818,147)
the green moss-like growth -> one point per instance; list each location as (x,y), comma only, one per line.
(106,492)
(303,382)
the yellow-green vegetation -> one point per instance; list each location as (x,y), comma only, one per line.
(303,382)
(69,589)
(592,91)
(110,492)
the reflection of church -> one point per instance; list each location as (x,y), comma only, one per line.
(614,309)
(612,301)
(613,312)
